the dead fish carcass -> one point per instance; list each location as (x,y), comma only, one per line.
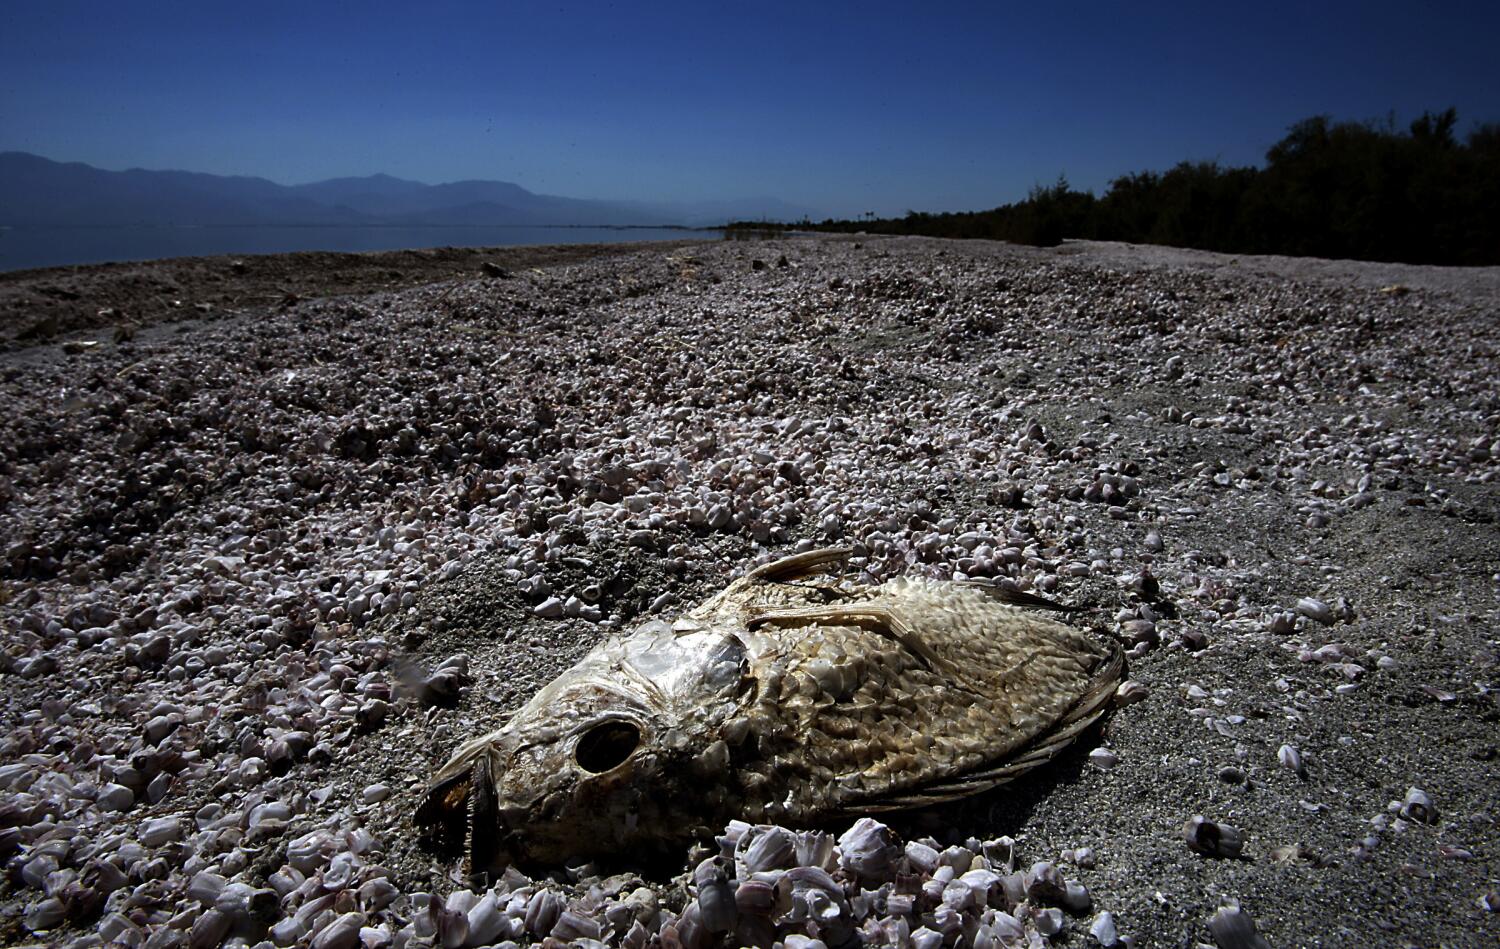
(785,698)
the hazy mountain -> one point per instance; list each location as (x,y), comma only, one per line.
(394,200)
(376,194)
(36,191)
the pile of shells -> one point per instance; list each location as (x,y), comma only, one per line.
(767,886)
(235,643)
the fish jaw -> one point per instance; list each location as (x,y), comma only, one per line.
(460,812)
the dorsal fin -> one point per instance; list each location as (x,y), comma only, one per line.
(1014,597)
(800,565)
(874,616)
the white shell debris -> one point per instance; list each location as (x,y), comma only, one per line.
(1232,928)
(1103,758)
(1315,609)
(1290,758)
(1130,692)
(218,547)
(1212,839)
(1418,807)
(1104,931)
(869,850)
(807,888)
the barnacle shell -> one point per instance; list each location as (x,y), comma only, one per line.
(1212,839)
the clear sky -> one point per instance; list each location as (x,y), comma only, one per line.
(838,107)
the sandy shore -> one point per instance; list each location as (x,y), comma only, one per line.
(52,303)
(230,539)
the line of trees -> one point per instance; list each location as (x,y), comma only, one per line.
(1362,190)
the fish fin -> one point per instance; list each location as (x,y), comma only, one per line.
(866,615)
(1080,717)
(800,565)
(784,570)
(1014,597)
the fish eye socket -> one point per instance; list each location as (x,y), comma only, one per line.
(606,746)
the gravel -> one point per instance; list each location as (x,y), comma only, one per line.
(261,573)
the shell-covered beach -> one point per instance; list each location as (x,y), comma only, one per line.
(267,564)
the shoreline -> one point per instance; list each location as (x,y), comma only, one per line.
(47,305)
(41,306)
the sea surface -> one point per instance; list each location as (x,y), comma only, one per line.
(24,248)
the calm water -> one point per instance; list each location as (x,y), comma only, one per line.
(22,248)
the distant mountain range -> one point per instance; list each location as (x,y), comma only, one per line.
(39,192)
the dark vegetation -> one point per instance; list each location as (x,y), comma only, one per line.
(1361,190)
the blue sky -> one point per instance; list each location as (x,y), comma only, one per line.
(838,107)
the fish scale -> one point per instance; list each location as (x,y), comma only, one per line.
(780,699)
